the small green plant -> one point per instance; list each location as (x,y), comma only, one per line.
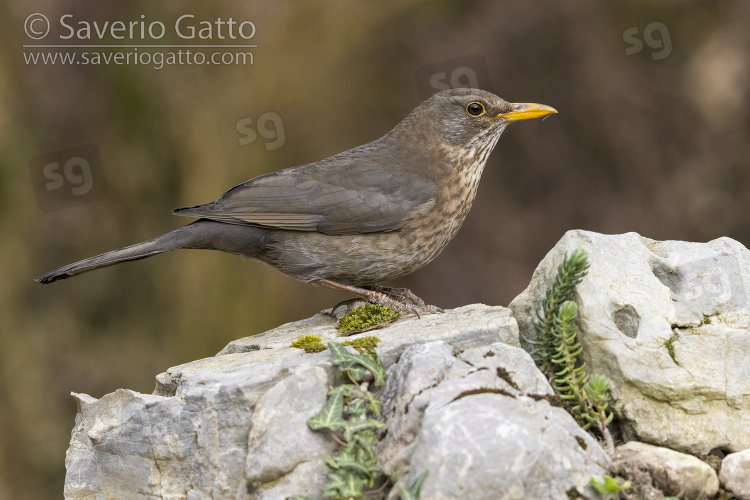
(570,378)
(558,350)
(569,273)
(348,416)
(609,487)
(310,343)
(365,318)
(597,392)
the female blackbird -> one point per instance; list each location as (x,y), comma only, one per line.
(369,214)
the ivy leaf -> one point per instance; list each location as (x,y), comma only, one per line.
(373,402)
(354,467)
(352,427)
(337,482)
(357,408)
(345,391)
(346,360)
(356,373)
(341,357)
(330,417)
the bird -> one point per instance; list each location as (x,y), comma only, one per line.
(367,215)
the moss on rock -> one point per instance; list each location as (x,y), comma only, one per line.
(365,318)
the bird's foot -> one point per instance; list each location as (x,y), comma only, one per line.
(401,300)
(405,301)
(402,294)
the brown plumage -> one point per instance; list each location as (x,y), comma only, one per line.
(367,215)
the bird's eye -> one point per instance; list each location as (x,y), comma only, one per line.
(475,109)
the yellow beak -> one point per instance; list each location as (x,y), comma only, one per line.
(526,111)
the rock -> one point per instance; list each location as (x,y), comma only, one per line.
(480,423)
(671,472)
(735,474)
(234,425)
(466,326)
(667,322)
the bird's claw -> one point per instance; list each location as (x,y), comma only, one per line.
(348,305)
(401,300)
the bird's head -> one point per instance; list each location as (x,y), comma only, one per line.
(467,118)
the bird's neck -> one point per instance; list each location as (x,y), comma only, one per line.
(458,191)
(468,160)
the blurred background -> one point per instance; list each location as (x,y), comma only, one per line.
(651,136)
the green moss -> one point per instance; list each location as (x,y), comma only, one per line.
(669,344)
(364,318)
(364,344)
(310,343)
(315,347)
(307,339)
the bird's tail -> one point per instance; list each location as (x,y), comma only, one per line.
(132,252)
(203,233)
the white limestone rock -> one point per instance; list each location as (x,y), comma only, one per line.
(671,472)
(480,423)
(234,426)
(668,323)
(735,474)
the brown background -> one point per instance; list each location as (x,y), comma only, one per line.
(643,142)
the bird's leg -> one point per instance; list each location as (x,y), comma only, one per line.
(369,295)
(405,294)
(380,298)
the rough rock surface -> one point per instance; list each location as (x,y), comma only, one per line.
(672,472)
(234,426)
(735,474)
(668,323)
(480,423)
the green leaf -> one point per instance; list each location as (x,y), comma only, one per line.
(359,425)
(346,360)
(356,372)
(343,485)
(415,490)
(365,438)
(373,402)
(356,408)
(340,356)
(345,391)
(353,487)
(355,467)
(609,486)
(330,417)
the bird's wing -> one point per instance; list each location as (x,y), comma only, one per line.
(346,196)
